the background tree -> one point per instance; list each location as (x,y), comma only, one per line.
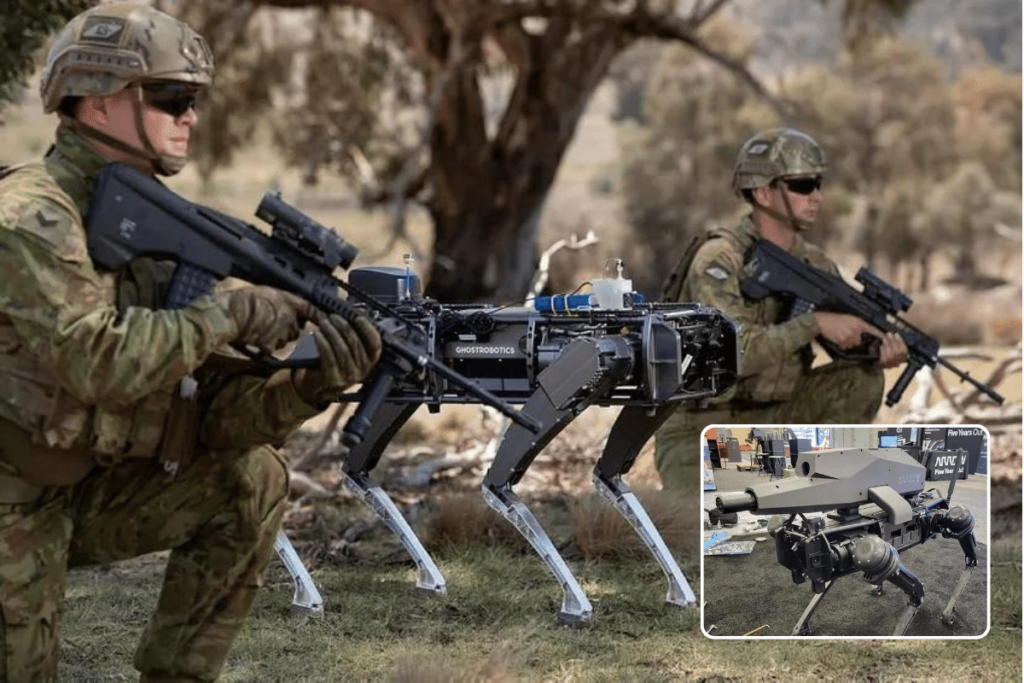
(865,21)
(988,122)
(886,117)
(482,175)
(676,169)
(26,25)
(251,59)
(962,214)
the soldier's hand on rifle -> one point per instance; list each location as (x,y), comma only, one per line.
(848,332)
(845,331)
(347,354)
(267,318)
(893,351)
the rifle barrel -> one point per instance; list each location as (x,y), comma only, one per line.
(966,377)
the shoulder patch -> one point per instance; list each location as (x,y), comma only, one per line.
(54,227)
(47,218)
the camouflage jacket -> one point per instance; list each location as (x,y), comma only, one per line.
(87,358)
(774,353)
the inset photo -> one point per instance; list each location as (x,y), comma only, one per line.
(845,532)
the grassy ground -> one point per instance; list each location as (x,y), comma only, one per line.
(498,621)
(498,624)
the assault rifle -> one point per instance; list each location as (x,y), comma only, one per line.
(577,351)
(133,215)
(772,270)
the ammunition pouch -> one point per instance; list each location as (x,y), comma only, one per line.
(181,431)
(37,465)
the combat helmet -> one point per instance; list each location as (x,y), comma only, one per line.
(777,153)
(106,48)
(116,47)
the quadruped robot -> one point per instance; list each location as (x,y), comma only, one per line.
(878,508)
(554,359)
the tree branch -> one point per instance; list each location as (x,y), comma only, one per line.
(540,278)
(411,177)
(699,17)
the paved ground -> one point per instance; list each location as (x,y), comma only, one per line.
(744,592)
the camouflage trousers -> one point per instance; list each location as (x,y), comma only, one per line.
(220,516)
(831,394)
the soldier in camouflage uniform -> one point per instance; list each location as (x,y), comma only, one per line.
(103,455)
(779,173)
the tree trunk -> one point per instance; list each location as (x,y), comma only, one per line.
(488,194)
(925,261)
(871,233)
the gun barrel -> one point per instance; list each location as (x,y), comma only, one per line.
(966,377)
(736,502)
(833,479)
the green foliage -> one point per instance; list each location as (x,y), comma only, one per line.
(326,85)
(886,117)
(866,20)
(23,31)
(918,164)
(676,171)
(989,122)
(251,61)
(353,97)
(631,72)
(962,211)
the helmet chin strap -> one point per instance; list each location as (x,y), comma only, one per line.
(161,164)
(788,218)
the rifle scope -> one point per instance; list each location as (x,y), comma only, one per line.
(881,292)
(304,233)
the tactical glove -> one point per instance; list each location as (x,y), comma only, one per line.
(267,318)
(348,351)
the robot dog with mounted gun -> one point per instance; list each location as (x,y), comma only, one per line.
(555,362)
(878,508)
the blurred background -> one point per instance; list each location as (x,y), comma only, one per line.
(475,135)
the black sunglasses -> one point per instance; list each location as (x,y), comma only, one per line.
(803,185)
(171,98)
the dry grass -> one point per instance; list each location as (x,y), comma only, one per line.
(463,519)
(417,668)
(601,532)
